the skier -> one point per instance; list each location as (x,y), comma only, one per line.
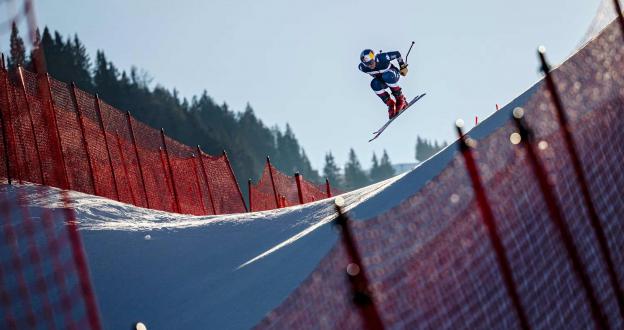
(385,75)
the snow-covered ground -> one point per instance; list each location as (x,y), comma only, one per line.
(174,271)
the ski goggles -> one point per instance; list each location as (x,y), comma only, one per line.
(370,64)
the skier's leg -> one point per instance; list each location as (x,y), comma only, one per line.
(391,78)
(379,87)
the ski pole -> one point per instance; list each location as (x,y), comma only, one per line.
(408,52)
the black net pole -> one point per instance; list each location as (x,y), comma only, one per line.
(594,219)
(490,225)
(556,215)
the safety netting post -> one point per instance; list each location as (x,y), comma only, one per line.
(201,197)
(173,181)
(167,179)
(85,144)
(277,200)
(556,216)
(299,190)
(618,9)
(32,124)
(571,148)
(10,91)
(125,168)
(233,177)
(4,123)
(205,174)
(98,112)
(61,171)
(138,158)
(249,187)
(490,223)
(360,287)
(328,188)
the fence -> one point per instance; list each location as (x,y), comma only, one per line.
(58,135)
(276,190)
(55,134)
(432,261)
(44,279)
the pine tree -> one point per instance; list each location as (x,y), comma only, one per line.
(36,61)
(81,65)
(374,172)
(354,176)
(305,168)
(386,170)
(18,50)
(290,157)
(63,58)
(105,77)
(50,51)
(331,171)
(258,137)
(288,148)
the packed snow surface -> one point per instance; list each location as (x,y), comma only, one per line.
(173,271)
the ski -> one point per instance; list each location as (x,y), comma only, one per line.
(379,131)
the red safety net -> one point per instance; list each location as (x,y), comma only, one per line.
(312,192)
(429,259)
(154,172)
(44,280)
(72,137)
(184,172)
(262,196)
(286,188)
(276,189)
(97,145)
(224,190)
(39,159)
(58,135)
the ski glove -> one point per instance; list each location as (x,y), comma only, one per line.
(403,70)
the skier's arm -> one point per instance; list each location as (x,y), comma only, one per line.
(395,55)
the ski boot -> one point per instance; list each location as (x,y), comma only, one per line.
(401,102)
(392,111)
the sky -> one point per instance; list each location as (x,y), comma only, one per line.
(296,62)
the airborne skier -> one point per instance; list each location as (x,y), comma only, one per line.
(385,75)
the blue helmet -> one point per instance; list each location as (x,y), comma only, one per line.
(367,56)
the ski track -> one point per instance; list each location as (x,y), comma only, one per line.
(208,267)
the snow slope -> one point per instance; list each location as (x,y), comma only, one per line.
(197,272)
(174,271)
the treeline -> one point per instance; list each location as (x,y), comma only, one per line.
(199,120)
(426,148)
(354,176)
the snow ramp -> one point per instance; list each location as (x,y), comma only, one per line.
(425,249)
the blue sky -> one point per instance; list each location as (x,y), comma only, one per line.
(296,62)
